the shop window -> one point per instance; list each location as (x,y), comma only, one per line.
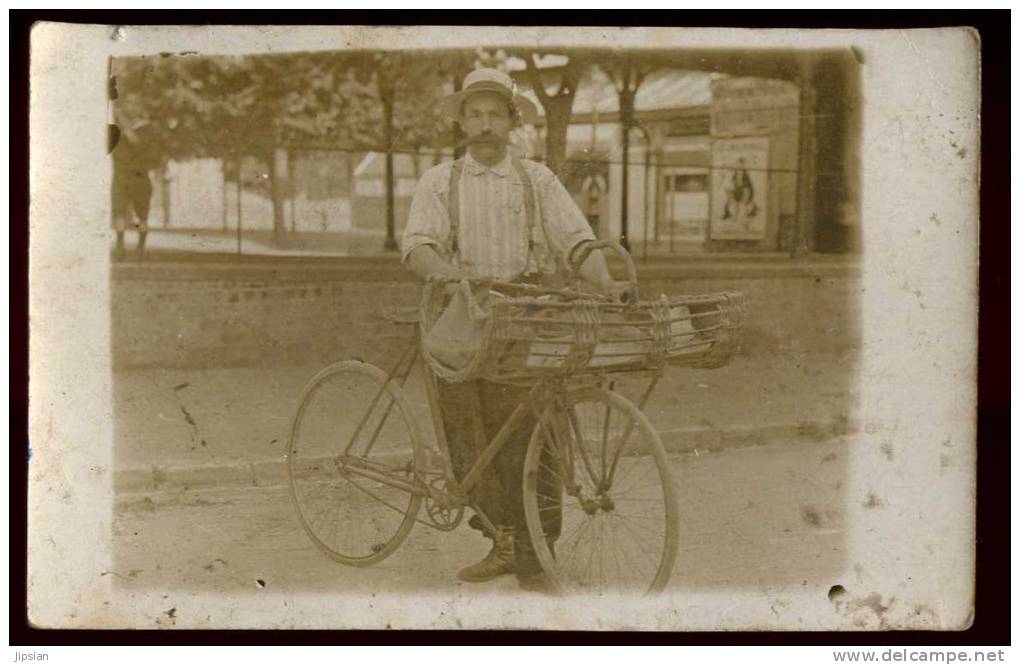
(686,183)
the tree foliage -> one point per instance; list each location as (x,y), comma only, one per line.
(184,107)
(209,106)
(189,106)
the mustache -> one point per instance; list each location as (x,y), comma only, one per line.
(483,139)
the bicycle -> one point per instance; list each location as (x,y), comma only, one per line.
(599,495)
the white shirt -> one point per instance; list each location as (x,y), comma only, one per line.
(493,237)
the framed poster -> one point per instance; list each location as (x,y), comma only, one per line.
(739,188)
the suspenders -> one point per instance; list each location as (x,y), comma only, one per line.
(453,204)
(529,203)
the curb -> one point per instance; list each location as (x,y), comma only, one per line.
(712,439)
(272,472)
(166,477)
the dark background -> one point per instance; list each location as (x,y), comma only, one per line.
(992,619)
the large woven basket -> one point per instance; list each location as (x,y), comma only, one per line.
(531,332)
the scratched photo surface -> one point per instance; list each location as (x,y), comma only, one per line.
(226,227)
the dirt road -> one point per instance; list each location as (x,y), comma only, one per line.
(765,516)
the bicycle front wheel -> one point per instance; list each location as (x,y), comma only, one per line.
(355,463)
(599,496)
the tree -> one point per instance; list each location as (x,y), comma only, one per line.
(557,104)
(454,66)
(229,107)
(406,85)
(627,71)
(211,107)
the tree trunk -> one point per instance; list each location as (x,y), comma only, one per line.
(240,189)
(557,120)
(458,132)
(390,244)
(223,193)
(627,78)
(348,191)
(164,194)
(277,192)
(290,191)
(626,122)
(804,229)
(557,107)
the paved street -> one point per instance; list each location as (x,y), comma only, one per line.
(764,516)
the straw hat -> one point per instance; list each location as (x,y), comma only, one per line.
(489,80)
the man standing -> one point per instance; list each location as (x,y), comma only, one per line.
(493,216)
(130,191)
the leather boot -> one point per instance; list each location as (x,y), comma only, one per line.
(499,560)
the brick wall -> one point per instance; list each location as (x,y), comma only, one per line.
(272,312)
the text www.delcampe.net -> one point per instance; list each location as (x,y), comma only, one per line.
(918,656)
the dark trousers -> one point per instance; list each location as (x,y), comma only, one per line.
(473,413)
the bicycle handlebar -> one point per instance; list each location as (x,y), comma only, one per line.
(595,244)
(521,288)
(618,249)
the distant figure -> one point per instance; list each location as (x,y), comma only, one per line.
(130,192)
(740,196)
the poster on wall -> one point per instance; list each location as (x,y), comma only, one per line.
(739,188)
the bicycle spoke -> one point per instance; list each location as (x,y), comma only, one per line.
(619,484)
(638,528)
(602,554)
(573,549)
(605,437)
(581,448)
(620,569)
(376,497)
(591,553)
(623,442)
(616,513)
(643,550)
(640,485)
(346,503)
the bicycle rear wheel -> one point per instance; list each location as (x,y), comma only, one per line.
(599,496)
(355,463)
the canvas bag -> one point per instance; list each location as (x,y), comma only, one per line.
(457,334)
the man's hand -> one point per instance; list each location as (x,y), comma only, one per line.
(623,292)
(479,287)
(426,262)
(593,269)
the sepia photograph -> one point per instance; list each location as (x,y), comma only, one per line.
(547,328)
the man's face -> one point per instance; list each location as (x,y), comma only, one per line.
(486,119)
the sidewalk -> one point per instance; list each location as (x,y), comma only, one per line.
(176,428)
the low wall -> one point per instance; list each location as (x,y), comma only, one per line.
(266,312)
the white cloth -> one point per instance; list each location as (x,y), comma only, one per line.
(457,334)
(493,238)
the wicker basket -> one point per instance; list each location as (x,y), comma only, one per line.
(532,333)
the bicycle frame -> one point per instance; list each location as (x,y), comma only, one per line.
(455,494)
